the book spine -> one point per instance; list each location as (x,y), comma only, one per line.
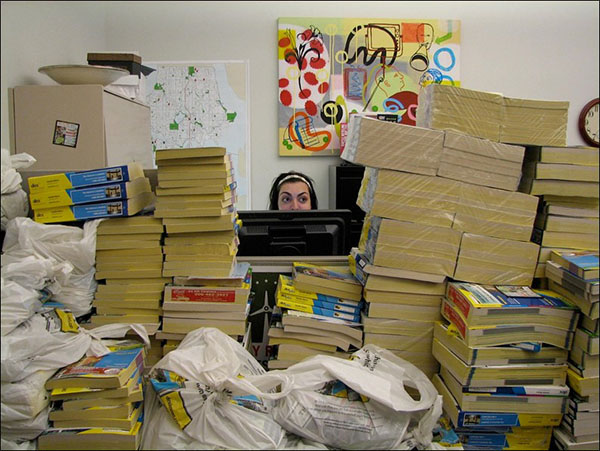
(454,317)
(192,294)
(317,310)
(351,309)
(456,297)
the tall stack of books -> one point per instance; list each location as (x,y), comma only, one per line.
(97,403)
(566,179)
(99,193)
(534,122)
(575,275)
(196,201)
(502,352)
(400,312)
(129,262)
(320,314)
(194,302)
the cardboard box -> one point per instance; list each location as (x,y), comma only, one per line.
(78,127)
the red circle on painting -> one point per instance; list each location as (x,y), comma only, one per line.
(317,45)
(317,63)
(311,78)
(283,82)
(286,97)
(284,42)
(323,87)
(304,94)
(307,34)
(310,107)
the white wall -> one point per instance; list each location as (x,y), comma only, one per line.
(538,50)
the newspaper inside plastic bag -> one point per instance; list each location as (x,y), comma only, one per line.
(189,382)
(354,404)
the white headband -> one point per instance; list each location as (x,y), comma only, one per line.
(294,176)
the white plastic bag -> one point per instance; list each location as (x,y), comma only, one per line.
(13,205)
(25,398)
(26,429)
(189,382)
(353,404)
(77,246)
(18,304)
(18,445)
(10,179)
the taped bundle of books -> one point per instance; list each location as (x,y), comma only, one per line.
(503,363)
(320,314)
(129,261)
(401,310)
(194,301)
(100,193)
(447,154)
(196,201)
(574,274)
(97,402)
(493,116)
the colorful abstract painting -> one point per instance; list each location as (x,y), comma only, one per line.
(330,68)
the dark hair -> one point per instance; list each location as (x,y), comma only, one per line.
(292,176)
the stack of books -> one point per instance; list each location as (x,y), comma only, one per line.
(481,161)
(129,263)
(99,193)
(560,171)
(566,179)
(196,201)
(97,403)
(400,313)
(503,362)
(194,302)
(473,233)
(320,314)
(534,122)
(555,215)
(475,113)
(575,275)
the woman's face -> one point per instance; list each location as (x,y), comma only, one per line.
(294,196)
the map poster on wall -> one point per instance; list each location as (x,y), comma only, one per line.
(203,104)
(330,68)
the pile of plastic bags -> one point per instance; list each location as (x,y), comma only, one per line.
(210,393)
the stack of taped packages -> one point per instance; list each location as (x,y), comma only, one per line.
(129,259)
(98,193)
(196,203)
(318,311)
(443,213)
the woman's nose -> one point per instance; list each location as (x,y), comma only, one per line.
(295,204)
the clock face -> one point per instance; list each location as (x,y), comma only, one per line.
(589,124)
